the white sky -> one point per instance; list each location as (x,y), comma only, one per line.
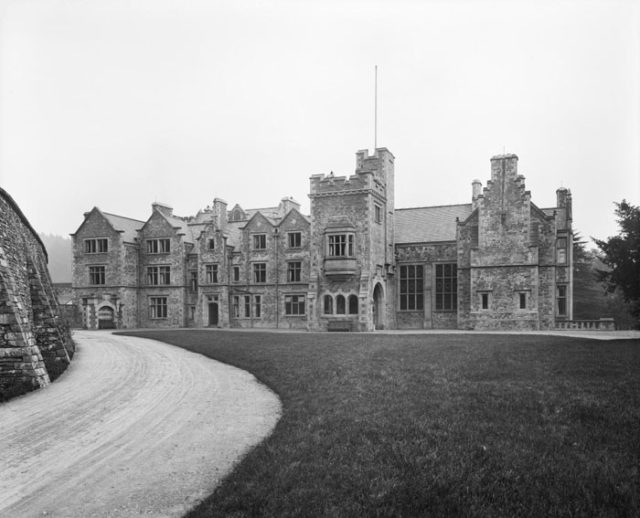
(118,104)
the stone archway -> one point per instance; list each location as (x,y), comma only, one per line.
(378,307)
(106,317)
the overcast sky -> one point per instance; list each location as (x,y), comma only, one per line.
(118,104)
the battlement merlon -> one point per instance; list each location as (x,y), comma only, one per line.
(329,183)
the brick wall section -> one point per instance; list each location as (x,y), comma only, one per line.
(35,346)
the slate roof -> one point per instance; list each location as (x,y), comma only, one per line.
(183,228)
(234,231)
(128,226)
(424,224)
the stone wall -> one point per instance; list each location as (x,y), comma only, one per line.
(35,345)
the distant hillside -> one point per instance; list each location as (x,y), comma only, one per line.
(59,250)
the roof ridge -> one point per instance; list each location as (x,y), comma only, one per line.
(436,206)
(123,217)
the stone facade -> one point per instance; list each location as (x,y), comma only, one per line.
(355,263)
(35,346)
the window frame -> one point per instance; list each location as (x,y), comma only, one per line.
(299,305)
(411,289)
(236,273)
(257,306)
(338,248)
(294,271)
(159,245)
(247,306)
(94,245)
(485,296)
(259,273)
(97,272)
(259,241)
(296,237)
(377,209)
(327,308)
(440,292)
(211,243)
(158,307)
(351,309)
(561,300)
(211,273)
(522,300)
(159,275)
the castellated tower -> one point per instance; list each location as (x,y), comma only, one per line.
(351,283)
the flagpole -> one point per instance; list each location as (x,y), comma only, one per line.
(375,111)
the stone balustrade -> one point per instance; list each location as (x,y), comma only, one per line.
(602,324)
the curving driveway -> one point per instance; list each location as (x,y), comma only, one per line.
(134,427)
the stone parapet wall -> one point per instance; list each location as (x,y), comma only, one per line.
(35,346)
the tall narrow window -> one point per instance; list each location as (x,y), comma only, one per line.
(378,213)
(193,280)
(562,300)
(411,287)
(259,241)
(523,301)
(294,270)
(259,272)
(340,305)
(484,300)
(257,306)
(295,239)
(211,273)
(328,305)
(236,306)
(236,274)
(211,243)
(446,287)
(353,305)
(247,306)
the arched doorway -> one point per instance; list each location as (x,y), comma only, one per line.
(106,318)
(378,307)
(213,314)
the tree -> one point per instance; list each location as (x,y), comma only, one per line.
(621,254)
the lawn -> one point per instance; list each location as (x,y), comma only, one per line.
(434,425)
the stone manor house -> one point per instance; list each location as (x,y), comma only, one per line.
(355,263)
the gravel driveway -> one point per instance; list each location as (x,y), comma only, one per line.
(134,427)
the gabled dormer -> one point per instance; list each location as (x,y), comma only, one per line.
(258,235)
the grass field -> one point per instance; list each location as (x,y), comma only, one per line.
(435,425)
